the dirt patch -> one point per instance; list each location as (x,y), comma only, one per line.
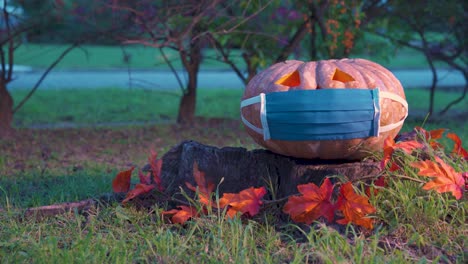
(71,149)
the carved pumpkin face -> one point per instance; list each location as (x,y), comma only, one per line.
(327,74)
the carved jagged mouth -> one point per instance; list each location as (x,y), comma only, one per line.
(294,79)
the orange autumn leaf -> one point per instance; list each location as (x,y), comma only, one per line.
(140,188)
(390,146)
(380,182)
(445,178)
(247,201)
(458,147)
(156,165)
(432,136)
(313,203)
(204,188)
(355,207)
(121,182)
(181,215)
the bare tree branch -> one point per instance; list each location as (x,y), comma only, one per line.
(46,72)
(168,62)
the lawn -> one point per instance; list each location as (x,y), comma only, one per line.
(110,57)
(45,166)
(139,57)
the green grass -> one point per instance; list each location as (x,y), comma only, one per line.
(110,57)
(83,106)
(140,57)
(414,226)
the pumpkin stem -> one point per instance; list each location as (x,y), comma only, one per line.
(342,76)
(290,79)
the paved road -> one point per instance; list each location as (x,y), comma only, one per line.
(207,79)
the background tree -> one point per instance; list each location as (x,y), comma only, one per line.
(434,28)
(49,20)
(11,30)
(309,30)
(184,26)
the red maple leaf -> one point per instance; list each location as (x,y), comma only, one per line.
(204,188)
(247,201)
(390,146)
(431,136)
(355,207)
(380,182)
(181,215)
(313,203)
(144,178)
(140,188)
(156,165)
(121,182)
(458,147)
(445,178)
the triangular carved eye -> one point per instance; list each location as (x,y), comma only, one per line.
(291,79)
(342,76)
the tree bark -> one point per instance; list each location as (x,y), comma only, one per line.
(237,169)
(191,62)
(187,104)
(6,110)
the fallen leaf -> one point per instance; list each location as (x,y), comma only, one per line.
(140,188)
(380,182)
(312,203)
(121,182)
(156,165)
(181,215)
(458,147)
(432,136)
(204,188)
(390,146)
(144,178)
(445,178)
(247,201)
(355,207)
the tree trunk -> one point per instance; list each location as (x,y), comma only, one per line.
(191,62)
(188,101)
(6,110)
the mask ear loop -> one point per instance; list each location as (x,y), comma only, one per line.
(255,100)
(398,99)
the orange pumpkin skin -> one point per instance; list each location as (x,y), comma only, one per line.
(326,74)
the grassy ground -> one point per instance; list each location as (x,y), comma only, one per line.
(139,57)
(44,166)
(110,57)
(41,167)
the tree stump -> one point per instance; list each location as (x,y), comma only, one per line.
(233,170)
(241,169)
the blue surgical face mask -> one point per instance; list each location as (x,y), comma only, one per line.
(324,114)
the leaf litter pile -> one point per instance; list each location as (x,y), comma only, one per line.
(313,202)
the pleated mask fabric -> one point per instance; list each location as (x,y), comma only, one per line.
(324,114)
